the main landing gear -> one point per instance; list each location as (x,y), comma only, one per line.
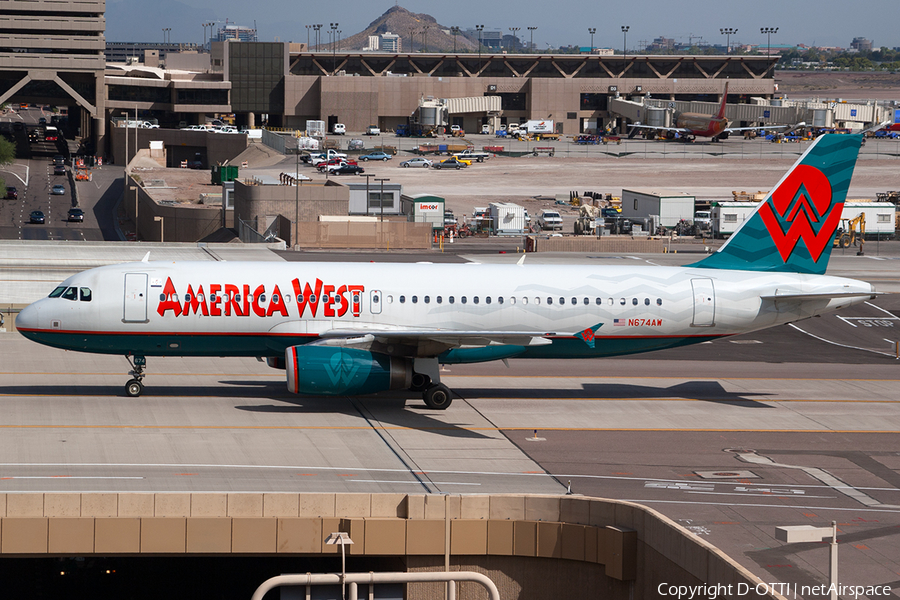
(435,394)
(134,387)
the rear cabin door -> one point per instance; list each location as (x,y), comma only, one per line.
(704,303)
(135,298)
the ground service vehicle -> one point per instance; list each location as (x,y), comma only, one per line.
(338,129)
(373,130)
(550,220)
(347,329)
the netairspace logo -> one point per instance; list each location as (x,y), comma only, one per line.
(790,590)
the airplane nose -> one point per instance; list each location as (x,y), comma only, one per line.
(27,317)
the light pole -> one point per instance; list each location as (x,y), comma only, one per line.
(367,175)
(625,29)
(412,40)
(425,37)
(592,31)
(308,27)
(165,31)
(792,534)
(768,31)
(334,27)
(728,32)
(316,28)
(479,28)
(381,199)
(515,37)
(531,43)
(455,32)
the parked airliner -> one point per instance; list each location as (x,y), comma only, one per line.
(692,125)
(360,328)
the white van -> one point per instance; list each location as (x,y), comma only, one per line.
(339,129)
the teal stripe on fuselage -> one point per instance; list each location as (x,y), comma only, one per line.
(268,345)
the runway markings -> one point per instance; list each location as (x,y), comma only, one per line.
(732,504)
(412,482)
(66,477)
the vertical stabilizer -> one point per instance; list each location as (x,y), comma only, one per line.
(721,113)
(793,229)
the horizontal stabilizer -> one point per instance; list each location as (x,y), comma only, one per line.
(825,296)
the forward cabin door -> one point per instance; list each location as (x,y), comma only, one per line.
(375,302)
(704,303)
(135,298)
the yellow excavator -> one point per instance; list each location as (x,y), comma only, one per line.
(851,232)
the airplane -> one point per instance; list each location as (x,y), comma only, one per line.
(359,328)
(692,125)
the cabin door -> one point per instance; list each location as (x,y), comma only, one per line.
(704,303)
(135,298)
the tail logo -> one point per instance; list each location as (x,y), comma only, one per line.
(803,204)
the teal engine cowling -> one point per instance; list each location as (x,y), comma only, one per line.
(334,370)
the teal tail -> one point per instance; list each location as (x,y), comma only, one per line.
(793,229)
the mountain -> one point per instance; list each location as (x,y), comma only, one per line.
(426,33)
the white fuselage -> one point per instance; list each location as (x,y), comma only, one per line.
(258,309)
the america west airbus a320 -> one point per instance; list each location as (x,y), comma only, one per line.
(350,329)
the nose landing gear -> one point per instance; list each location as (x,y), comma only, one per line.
(134,387)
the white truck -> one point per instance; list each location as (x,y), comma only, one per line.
(472,155)
(315,159)
(537,126)
(550,220)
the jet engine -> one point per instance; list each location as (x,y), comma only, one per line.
(344,371)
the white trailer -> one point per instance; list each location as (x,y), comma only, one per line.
(728,216)
(880,217)
(671,206)
(315,129)
(507,218)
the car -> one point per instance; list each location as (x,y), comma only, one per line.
(485,129)
(455,128)
(417,162)
(42,121)
(356,145)
(59,160)
(339,129)
(348,170)
(37,217)
(378,155)
(550,220)
(58,190)
(373,130)
(451,163)
(75,215)
(12,193)
(59,170)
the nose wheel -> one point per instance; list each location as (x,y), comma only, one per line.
(135,387)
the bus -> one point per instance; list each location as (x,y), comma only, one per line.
(51,133)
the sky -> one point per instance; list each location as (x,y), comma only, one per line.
(823,23)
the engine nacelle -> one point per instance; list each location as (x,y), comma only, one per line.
(344,371)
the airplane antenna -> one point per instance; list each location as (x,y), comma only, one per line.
(146,257)
(521,260)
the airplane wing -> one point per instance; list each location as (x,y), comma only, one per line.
(661,128)
(433,338)
(758,128)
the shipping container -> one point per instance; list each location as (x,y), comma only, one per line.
(669,205)
(507,218)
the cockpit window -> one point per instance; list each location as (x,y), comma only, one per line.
(85,294)
(57,292)
(70,293)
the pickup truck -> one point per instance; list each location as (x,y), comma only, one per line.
(550,220)
(472,155)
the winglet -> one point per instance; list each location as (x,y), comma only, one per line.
(521,261)
(146,257)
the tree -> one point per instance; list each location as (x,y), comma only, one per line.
(7,151)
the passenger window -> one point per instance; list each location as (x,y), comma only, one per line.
(312,298)
(588,300)
(487,300)
(451,299)
(162,298)
(563,301)
(599,301)
(237,298)
(415,299)
(390,299)
(57,292)
(375,299)
(262,298)
(187,297)
(475,299)
(525,300)
(200,298)
(439,299)
(427,299)
(610,301)
(299,298)
(575,301)
(463,299)
(500,300)
(646,301)
(537,300)
(659,301)
(549,300)
(402,299)
(622,301)
(634,301)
